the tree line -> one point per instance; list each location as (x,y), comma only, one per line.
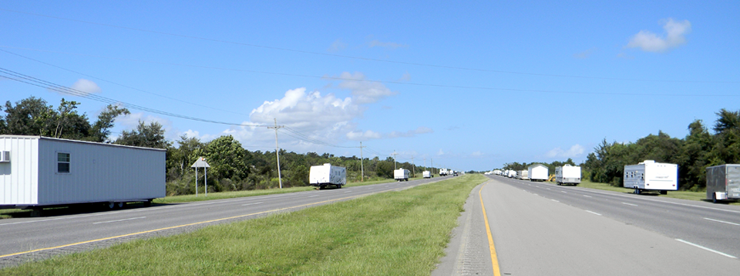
(232,168)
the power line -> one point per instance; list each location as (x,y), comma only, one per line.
(360,58)
(426,84)
(12,75)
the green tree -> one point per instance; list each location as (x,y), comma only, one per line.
(151,135)
(101,129)
(226,158)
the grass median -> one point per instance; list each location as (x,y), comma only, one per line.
(391,233)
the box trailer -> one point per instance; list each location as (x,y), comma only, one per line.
(426,174)
(327,175)
(651,176)
(723,182)
(523,175)
(538,172)
(511,174)
(568,174)
(38,172)
(401,175)
(443,172)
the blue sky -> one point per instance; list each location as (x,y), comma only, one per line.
(470,85)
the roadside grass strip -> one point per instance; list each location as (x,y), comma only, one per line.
(390,233)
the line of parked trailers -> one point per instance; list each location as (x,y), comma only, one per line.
(723,181)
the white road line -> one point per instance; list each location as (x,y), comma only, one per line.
(722,221)
(630,204)
(587,195)
(535,194)
(595,213)
(251,203)
(554,200)
(564,192)
(313,196)
(707,249)
(548,188)
(118,220)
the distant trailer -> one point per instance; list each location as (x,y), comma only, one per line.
(568,174)
(426,174)
(522,175)
(651,176)
(443,172)
(38,172)
(723,182)
(401,175)
(537,172)
(327,175)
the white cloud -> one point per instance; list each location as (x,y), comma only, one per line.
(363,136)
(391,45)
(86,86)
(674,37)
(405,77)
(131,121)
(337,46)
(440,152)
(585,54)
(364,91)
(410,133)
(476,154)
(574,151)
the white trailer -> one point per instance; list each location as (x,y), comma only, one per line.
(511,174)
(38,172)
(427,174)
(324,175)
(538,172)
(401,175)
(568,174)
(442,172)
(723,182)
(651,176)
(522,175)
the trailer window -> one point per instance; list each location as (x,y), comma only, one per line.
(62,162)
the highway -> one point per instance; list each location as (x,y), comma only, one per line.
(545,229)
(41,237)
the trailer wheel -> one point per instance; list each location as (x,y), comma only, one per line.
(36,212)
(714,198)
(120,205)
(111,205)
(663,192)
(637,191)
(148,203)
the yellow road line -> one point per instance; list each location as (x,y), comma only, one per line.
(494,258)
(171,227)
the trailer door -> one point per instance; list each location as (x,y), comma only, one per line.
(733,181)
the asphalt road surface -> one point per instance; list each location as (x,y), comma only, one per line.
(544,229)
(23,239)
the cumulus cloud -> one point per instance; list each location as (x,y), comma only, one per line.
(574,151)
(585,54)
(674,37)
(363,91)
(390,45)
(86,86)
(410,133)
(363,136)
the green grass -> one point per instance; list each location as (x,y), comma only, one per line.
(391,233)
(688,195)
(9,213)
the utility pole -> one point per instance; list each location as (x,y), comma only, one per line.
(362,167)
(394,159)
(432,166)
(413,167)
(277,152)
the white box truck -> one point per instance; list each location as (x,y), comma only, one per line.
(723,182)
(537,172)
(568,174)
(427,174)
(401,175)
(326,175)
(522,175)
(38,172)
(651,176)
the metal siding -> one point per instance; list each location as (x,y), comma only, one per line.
(101,173)
(17,179)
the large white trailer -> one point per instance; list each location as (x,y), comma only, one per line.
(325,175)
(511,173)
(426,174)
(442,172)
(523,175)
(401,175)
(568,174)
(723,182)
(38,172)
(651,176)
(537,172)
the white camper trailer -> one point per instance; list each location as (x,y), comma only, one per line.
(325,175)
(401,175)
(523,175)
(37,172)
(537,172)
(568,174)
(443,172)
(651,176)
(723,182)
(427,174)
